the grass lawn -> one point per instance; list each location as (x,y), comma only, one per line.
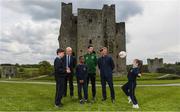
(37,97)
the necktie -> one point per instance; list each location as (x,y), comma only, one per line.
(68,60)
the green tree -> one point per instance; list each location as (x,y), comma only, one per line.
(45,68)
(21,69)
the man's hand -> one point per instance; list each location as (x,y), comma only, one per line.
(68,70)
(81,81)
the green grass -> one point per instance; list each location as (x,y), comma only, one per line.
(147,78)
(37,97)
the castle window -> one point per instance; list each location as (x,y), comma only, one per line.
(75,22)
(116,46)
(117,56)
(105,20)
(116,31)
(90,20)
(90,41)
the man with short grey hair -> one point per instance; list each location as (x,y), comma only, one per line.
(70,65)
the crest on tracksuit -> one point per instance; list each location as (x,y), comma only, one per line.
(84,68)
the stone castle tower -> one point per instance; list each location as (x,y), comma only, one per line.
(154,64)
(95,27)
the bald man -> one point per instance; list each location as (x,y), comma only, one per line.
(70,65)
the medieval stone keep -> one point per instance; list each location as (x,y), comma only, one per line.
(96,27)
(154,64)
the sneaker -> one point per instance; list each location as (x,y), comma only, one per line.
(58,106)
(129,99)
(136,106)
(85,100)
(81,101)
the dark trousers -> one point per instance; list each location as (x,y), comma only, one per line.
(84,87)
(129,90)
(92,77)
(69,77)
(109,80)
(59,89)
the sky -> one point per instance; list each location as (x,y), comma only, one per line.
(29,29)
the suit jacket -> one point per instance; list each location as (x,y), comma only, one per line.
(59,67)
(106,66)
(72,63)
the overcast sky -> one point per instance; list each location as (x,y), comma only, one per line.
(29,29)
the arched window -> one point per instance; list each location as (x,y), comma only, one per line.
(90,41)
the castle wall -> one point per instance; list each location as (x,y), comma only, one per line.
(89,30)
(68,33)
(120,46)
(109,28)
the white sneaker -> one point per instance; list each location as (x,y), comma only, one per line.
(129,99)
(136,106)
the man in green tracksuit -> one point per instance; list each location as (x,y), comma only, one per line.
(91,62)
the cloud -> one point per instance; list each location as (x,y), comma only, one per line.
(124,9)
(51,9)
(37,9)
(28,39)
(155,33)
(30,28)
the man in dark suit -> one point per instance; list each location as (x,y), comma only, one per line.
(59,73)
(70,62)
(106,66)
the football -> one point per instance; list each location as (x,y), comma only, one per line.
(122,54)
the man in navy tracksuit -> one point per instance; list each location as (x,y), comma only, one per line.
(129,87)
(106,66)
(81,74)
(60,74)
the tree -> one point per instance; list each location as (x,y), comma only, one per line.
(21,69)
(45,68)
(17,65)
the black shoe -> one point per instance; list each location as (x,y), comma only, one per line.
(113,100)
(104,99)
